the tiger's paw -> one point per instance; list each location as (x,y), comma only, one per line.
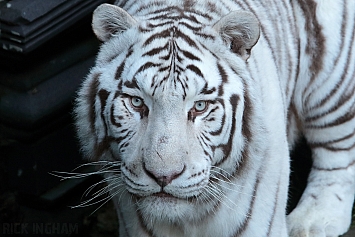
(320,215)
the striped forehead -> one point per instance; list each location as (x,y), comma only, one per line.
(169,57)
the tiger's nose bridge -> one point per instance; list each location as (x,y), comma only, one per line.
(165,154)
(164,157)
(165,146)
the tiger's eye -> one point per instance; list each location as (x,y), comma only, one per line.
(200,106)
(137,102)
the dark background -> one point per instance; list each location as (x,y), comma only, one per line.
(47,48)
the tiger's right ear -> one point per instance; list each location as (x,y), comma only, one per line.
(240,30)
(110,20)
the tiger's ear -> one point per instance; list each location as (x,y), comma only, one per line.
(110,20)
(240,30)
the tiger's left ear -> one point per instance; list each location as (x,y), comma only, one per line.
(240,30)
(110,20)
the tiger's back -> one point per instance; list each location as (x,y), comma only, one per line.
(198,103)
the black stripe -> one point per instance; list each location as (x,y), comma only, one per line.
(103,95)
(90,100)
(227,148)
(102,146)
(206,91)
(156,51)
(163,34)
(224,77)
(247,115)
(205,36)
(336,149)
(119,139)
(333,169)
(150,5)
(343,77)
(271,222)
(188,54)
(131,84)
(346,97)
(343,38)
(340,120)
(113,118)
(130,51)
(187,39)
(194,69)
(190,27)
(219,131)
(166,17)
(121,67)
(146,66)
(119,70)
(316,41)
(166,9)
(247,219)
(162,24)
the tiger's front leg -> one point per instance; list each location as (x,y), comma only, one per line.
(325,206)
(325,104)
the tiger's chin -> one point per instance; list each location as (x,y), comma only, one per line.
(166,208)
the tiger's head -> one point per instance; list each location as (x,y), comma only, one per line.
(168,101)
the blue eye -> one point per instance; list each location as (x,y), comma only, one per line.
(200,106)
(137,102)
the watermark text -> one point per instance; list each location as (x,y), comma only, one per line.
(39,228)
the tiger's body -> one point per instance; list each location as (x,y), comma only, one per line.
(199,102)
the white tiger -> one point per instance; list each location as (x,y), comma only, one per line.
(195,104)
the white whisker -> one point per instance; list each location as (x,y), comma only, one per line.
(72,175)
(106,167)
(222,197)
(98,195)
(219,172)
(96,163)
(112,181)
(106,200)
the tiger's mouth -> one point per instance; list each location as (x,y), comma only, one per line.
(163,194)
(157,195)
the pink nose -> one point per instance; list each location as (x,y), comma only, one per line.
(166,178)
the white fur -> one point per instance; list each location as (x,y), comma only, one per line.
(273,94)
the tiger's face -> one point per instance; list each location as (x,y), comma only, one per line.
(173,122)
(166,109)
